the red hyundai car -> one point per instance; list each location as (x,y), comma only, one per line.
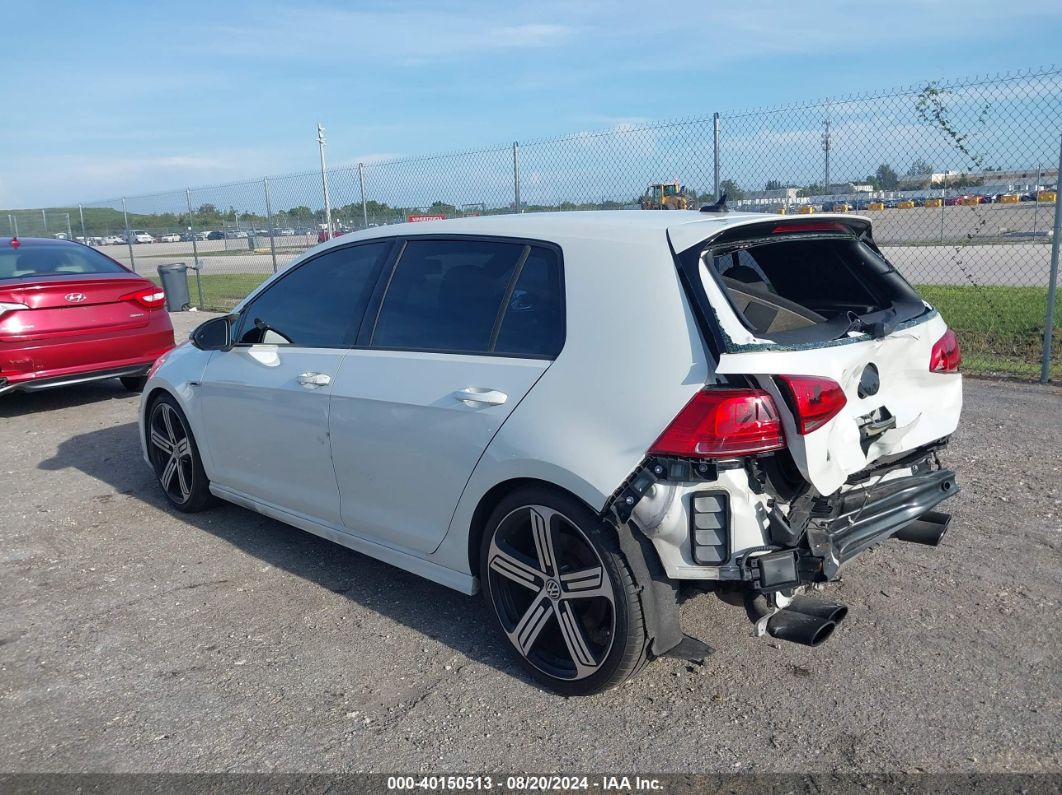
(70,314)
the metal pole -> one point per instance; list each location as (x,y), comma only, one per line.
(826,147)
(516,177)
(128,237)
(69,231)
(14,223)
(44,215)
(1052,285)
(943,202)
(81,212)
(324,180)
(364,207)
(191,231)
(11,224)
(269,217)
(716,130)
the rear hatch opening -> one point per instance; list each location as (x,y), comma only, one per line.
(794,284)
(811,313)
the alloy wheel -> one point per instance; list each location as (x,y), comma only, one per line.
(171,452)
(551,592)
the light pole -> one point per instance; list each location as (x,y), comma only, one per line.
(324,180)
(826,149)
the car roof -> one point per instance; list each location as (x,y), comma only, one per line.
(685,228)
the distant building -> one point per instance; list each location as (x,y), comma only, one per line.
(1015,178)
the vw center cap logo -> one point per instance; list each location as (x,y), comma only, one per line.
(553,590)
(75,298)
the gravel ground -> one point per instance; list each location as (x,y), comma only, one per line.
(136,639)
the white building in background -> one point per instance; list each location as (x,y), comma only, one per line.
(1014,178)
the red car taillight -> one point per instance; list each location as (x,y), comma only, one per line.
(722,423)
(946,356)
(147,297)
(814,401)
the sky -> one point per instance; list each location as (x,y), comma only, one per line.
(122,98)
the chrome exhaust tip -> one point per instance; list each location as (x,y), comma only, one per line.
(800,628)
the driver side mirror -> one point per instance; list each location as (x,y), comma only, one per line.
(215,334)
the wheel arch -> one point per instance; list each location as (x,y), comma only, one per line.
(492,498)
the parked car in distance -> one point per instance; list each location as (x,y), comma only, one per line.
(170,237)
(70,314)
(443,396)
(113,240)
(286,232)
(140,236)
(215,235)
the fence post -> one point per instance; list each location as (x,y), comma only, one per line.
(715,148)
(1052,285)
(364,207)
(269,218)
(44,217)
(516,176)
(14,223)
(191,231)
(69,231)
(128,237)
(81,212)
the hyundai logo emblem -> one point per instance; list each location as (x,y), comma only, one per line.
(869,382)
(75,298)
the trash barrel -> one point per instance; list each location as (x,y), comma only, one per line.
(174,277)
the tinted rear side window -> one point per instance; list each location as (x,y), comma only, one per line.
(47,259)
(534,318)
(318,305)
(445,295)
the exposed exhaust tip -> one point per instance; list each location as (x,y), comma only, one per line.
(800,628)
(830,611)
(928,529)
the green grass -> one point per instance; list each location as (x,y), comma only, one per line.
(1001,328)
(222,291)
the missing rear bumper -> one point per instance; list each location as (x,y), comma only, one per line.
(848,524)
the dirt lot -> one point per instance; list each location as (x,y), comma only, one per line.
(136,639)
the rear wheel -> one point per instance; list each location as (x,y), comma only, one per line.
(134,383)
(175,457)
(559,588)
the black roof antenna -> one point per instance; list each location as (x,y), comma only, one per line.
(718,207)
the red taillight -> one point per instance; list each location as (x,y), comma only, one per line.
(721,423)
(946,356)
(815,401)
(148,297)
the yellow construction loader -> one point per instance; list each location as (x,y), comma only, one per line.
(665,196)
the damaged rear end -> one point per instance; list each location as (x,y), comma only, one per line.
(836,386)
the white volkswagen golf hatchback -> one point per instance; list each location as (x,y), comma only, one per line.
(581,414)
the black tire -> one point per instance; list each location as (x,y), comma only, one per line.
(576,635)
(175,457)
(134,383)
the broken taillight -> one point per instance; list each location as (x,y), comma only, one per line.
(814,401)
(946,356)
(148,297)
(722,423)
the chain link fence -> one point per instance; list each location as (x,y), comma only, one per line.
(960,179)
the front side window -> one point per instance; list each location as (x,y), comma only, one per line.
(318,305)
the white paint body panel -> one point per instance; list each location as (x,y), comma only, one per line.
(395,421)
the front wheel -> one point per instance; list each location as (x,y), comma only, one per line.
(175,457)
(559,588)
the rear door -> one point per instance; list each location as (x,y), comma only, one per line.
(823,305)
(263,406)
(464,330)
